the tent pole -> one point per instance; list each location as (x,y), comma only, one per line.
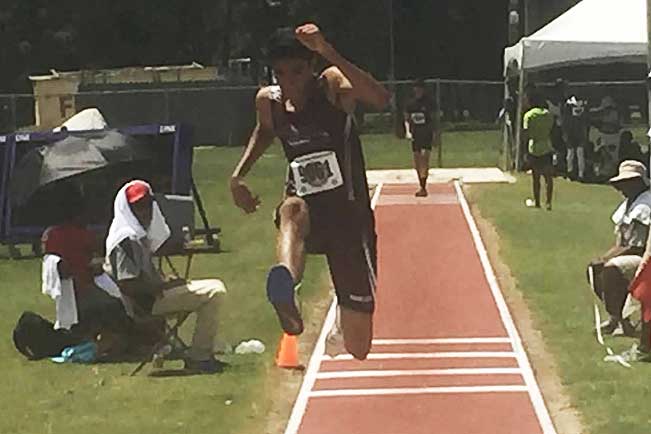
(518,120)
(506,148)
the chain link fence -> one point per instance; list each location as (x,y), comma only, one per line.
(225,115)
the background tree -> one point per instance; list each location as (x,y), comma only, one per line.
(446,38)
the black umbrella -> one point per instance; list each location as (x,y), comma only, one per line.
(72,156)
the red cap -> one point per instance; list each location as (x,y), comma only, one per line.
(136,191)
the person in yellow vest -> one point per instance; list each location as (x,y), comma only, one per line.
(537,127)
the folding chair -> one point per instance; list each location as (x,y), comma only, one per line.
(169,337)
(186,240)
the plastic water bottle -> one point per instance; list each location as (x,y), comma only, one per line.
(256,346)
(157,361)
(187,238)
(159,356)
(253,346)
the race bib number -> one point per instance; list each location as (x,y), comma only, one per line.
(418,118)
(316,173)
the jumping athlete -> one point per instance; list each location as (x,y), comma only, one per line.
(419,128)
(326,208)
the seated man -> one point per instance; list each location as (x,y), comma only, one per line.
(616,268)
(89,310)
(137,231)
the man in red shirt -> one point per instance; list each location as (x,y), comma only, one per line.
(75,244)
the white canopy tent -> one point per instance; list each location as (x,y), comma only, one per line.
(591,32)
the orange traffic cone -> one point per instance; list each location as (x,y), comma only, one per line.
(287,355)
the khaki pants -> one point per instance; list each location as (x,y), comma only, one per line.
(627,265)
(203,298)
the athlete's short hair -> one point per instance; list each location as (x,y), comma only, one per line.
(283,45)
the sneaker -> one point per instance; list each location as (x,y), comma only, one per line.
(209,366)
(280,292)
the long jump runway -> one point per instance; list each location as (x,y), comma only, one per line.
(446,357)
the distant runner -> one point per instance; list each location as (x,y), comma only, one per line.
(419,128)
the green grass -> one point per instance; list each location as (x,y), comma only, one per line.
(42,397)
(547,254)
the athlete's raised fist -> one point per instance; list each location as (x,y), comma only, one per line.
(310,35)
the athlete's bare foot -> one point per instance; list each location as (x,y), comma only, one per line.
(421,193)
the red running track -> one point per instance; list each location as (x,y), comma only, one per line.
(446,356)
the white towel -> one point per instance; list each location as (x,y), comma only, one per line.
(125,224)
(61,291)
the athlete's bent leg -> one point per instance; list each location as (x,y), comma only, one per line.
(294,228)
(282,278)
(353,274)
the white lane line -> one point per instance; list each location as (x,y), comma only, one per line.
(440,355)
(315,360)
(436,341)
(417,391)
(376,195)
(417,373)
(530,380)
(310,375)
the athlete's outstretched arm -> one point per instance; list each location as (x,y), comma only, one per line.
(365,88)
(261,138)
